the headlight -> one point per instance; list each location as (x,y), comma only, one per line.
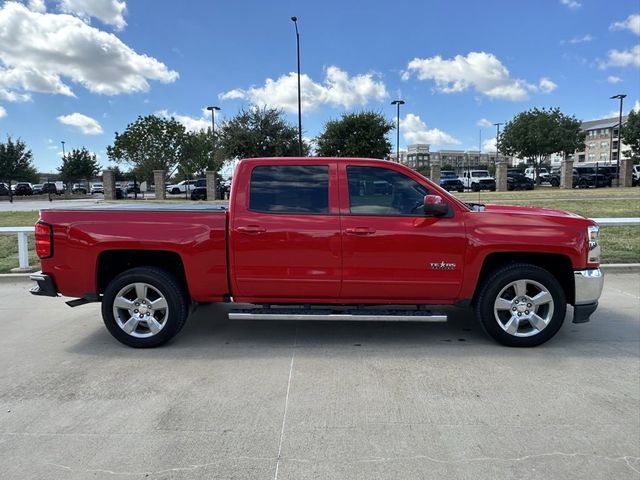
(593,234)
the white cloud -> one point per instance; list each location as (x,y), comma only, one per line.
(572,4)
(546,85)
(37,6)
(110,12)
(480,71)
(489,145)
(613,79)
(414,130)
(576,40)
(337,89)
(483,122)
(85,124)
(632,23)
(3,111)
(38,50)
(636,106)
(622,58)
(192,124)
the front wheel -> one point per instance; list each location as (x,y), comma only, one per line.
(144,307)
(521,305)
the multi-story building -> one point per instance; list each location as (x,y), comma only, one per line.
(418,156)
(602,142)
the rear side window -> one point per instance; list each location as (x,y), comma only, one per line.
(290,189)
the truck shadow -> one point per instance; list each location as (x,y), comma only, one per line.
(210,334)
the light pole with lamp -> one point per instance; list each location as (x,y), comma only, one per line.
(213,110)
(497,125)
(398,103)
(621,98)
(295,22)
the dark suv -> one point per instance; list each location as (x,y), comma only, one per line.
(517,180)
(23,188)
(589,176)
(450,181)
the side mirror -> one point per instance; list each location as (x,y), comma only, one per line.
(434,206)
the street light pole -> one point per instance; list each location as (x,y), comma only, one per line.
(63,142)
(621,98)
(213,109)
(398,103)
(295,22)
(497,125)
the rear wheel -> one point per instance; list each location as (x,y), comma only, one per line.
(144,307)
(521,305)
(555,182)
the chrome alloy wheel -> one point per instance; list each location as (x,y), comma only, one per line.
(140,310)
(523,308)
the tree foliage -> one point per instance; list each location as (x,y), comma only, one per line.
(631,134)
(78,164)
(150,143)
(198,154)
(536,134)
(258,132)
(16,162)
(362,134)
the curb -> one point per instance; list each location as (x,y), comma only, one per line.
(607,268)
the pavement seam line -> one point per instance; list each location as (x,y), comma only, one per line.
(286,403)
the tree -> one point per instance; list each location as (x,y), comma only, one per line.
(198,154)
(78,164)
(362,134)
(631,134)
(259,132)
(150,143)
(16,162)
(536,134)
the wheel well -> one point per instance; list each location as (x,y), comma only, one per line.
(113,262)
(558,265)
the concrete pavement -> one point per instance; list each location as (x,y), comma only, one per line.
(308,400)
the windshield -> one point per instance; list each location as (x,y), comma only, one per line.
(480,173)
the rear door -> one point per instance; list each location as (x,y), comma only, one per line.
(285,232)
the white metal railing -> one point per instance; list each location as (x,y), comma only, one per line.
(23,245)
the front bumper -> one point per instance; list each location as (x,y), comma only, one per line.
(588,287)
(45,286)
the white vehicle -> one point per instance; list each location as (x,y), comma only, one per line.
(477,180)
(97,188)
(182,187)
(530,172)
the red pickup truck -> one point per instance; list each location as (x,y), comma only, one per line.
(323,238)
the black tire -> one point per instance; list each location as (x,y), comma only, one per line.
(175,191)
(475,187)
(164,283)
(582,183)
(498,284)
(555,182)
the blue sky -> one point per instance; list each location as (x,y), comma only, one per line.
(80,70)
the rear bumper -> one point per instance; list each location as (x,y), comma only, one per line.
(45,286)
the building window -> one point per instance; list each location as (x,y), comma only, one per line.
(603,157)
(592,156)
(604,144)
(592,145)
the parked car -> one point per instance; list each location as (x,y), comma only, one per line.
(530,172)
(97,188)
(50,187)
(23,188)
(450,181)
(79,188)
(477,180)
(309,239)
(182,187)
(4,189)
(200,192)
(518,181)
(132,187)
(590,176)
(36,188)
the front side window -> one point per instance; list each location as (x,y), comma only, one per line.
(290,189)
(381,191)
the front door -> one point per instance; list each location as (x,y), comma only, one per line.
(391,250)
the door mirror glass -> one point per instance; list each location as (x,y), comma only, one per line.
(434,206)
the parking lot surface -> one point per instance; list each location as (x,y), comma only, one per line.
(317,400)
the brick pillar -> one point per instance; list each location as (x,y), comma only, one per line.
(566,174)
(109,184)
(212,185)
(158,180)
(501,176)
(626,172)
(435,172)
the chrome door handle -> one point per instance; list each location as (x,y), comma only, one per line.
(360,231)
(251,229)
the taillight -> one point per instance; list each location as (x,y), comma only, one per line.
(44,240)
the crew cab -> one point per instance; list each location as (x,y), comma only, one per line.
(323,238)
(477,180)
